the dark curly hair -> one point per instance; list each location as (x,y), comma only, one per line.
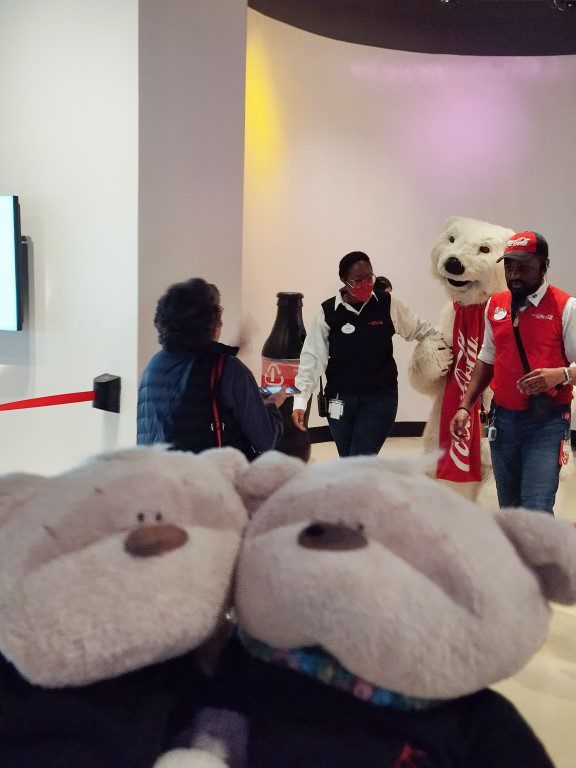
(188,315)
(382,283)
(348,261)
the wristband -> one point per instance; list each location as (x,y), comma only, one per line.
(463,408)
(567,376)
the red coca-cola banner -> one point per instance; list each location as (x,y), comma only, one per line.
(460,461)
(279,373)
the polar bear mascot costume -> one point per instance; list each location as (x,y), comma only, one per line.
(464,260)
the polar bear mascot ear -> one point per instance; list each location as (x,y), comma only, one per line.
(450,221)
(547,545)
(15,488)
(266,475)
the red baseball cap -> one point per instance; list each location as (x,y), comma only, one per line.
(525,245)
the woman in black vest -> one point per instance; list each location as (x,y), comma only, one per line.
(350,341)
(194,393)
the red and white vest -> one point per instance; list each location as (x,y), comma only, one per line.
(541,332)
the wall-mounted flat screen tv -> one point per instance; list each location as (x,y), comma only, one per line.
(10,265)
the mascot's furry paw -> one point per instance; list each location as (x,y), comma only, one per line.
(189,758)
(430,364)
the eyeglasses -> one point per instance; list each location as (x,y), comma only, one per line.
(360,281)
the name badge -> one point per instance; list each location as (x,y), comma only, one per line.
(335,408)
(348,328)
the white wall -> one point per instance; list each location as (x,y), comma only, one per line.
(69,138)
(358,148)
(106,107)
(192,73)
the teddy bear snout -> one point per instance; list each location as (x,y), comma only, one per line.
(454,266)
(328,536)
(153,540)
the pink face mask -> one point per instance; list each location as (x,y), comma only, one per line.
(361,293)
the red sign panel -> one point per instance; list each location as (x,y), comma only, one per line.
(279,373)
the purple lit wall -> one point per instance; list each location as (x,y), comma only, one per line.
(351,147)
(466,119)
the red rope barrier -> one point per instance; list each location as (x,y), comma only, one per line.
(38,402)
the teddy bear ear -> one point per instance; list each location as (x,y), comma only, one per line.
(16,488)
(230,461)
(548,546)
(264,476)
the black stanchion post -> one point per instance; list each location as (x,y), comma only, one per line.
(107,393)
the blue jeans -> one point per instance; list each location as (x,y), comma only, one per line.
(365,423)
(525,457)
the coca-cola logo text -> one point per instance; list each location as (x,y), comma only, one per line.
(465,362)
(279,373)
(517,241)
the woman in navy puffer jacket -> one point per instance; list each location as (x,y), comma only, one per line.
(194,393)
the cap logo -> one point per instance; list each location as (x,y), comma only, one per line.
(517,241)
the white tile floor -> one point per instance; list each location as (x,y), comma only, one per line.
(545,690)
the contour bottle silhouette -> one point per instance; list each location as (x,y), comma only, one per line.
(280,360)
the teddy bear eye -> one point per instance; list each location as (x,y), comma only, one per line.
(484,249)
(451,238)
(361,526)
(140,517)
(158,516)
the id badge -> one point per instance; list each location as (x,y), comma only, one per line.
(335,408)
(564,455)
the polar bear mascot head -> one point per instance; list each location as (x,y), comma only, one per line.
(464,259)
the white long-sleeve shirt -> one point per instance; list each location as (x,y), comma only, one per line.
(314,354)
(487,353)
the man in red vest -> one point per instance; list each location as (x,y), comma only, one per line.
(528,358)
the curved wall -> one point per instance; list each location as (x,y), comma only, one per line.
(356,148)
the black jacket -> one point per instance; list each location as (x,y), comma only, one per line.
(295,721)
(127,722)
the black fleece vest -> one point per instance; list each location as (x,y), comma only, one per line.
(360,362)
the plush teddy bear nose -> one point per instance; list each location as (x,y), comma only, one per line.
(153,540)
(454,266)
(327,536)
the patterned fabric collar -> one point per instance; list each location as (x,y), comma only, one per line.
(315,663)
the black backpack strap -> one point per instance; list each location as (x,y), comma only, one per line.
(521,351)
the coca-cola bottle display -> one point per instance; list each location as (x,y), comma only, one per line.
(280,360)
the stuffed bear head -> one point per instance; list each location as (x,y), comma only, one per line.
(464,259)
(120,563)
(408,585)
